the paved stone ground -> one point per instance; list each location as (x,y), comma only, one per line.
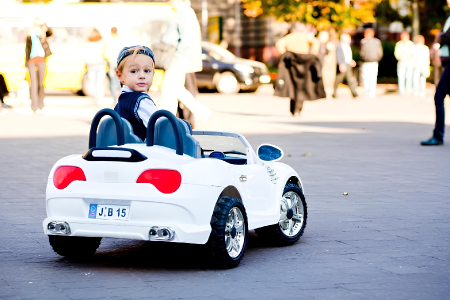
(388,239)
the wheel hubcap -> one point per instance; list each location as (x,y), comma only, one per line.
(235,232)
(291,214)
(228,83)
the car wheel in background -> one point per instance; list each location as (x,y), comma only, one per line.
(74,246)
(227,83)
(229,232)
(293,215)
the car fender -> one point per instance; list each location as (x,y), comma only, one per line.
(280,174)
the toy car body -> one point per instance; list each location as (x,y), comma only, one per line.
(170,189)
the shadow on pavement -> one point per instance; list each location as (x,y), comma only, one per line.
(118,253)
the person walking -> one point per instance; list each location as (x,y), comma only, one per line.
(301,42)
(36,51)
(346,64)
(421,66)
(371,54)
(184,34)
(94,58)
(436,62)
(3,91)
(405,67)
(442,89)
(183,112)
(113,46)
(327,57)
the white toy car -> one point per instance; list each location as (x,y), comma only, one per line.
(182,186)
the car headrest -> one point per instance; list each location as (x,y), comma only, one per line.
(107,135)
(164,136)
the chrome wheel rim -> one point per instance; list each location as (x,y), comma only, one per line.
(235,232)
(291,214)
(228,84)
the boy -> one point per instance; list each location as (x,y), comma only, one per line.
(135,70)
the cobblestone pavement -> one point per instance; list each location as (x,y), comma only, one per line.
(388,239)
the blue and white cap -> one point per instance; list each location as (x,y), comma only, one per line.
(125,52)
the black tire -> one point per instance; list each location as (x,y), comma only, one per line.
(216,245)
(274,233)
(74,246)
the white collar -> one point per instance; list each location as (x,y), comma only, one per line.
(126,89)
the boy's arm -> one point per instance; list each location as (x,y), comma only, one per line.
(146,109)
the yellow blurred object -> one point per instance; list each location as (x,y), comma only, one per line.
(345,193)
(138,23)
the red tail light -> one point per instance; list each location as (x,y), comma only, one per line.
(66,175)
(166,181)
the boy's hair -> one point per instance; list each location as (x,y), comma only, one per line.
(132,51)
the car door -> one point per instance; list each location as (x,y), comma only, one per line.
(255,183)
(205,76)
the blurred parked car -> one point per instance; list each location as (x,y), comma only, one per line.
(229,74)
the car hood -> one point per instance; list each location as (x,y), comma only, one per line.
(247,62)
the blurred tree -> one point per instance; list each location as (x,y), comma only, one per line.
(385,14)
(322,14)
(432,14)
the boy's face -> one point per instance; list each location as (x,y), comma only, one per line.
(137,74)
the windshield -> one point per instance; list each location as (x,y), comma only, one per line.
(220,143)
(218,52)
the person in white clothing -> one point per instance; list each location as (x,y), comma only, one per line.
(405,67)
(94,58)
(183,33)
(113,46)
(421,66)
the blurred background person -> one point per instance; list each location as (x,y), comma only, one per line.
(3,91)
(299,41)
(344,57)
(371,54)
(36,51)
(405,67)
(183,112)
(442,89)
(184,34)
(327,57)
(421,66)
(94,58)
(436,61)
(113,46)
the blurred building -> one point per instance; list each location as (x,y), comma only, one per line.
(224,22)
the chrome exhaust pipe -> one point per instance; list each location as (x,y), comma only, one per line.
(60,228)
(161,233)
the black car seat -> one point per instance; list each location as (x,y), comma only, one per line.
(107,135)
(164,136)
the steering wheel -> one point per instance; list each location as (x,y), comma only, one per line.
(217,154)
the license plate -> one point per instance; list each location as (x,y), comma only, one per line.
(108,212)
